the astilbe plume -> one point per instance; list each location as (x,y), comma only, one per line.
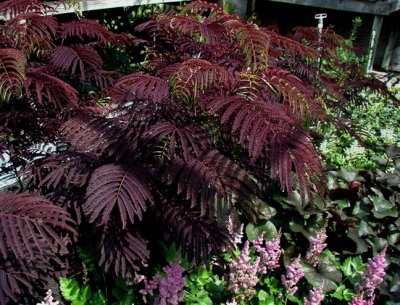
(373,275)
(243,273)
(269,252)
(317,245)
(48,300)
(316,296)
(170,288)
(294,272)
(235,231)
(359,300)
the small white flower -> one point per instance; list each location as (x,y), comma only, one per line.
(355,150)
(48,300)
(388,136)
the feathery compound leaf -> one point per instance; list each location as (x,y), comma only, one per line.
(200,7)
(122,250)
(100,136)
(198,238)
(270,133)
(281,46)
(50,88)
(139,86)
(253,43)
(209,179)
(190,139)
(32,32)
(112,186)
(13,280)
(12,73)
(68,168)
(293,91)
(256,122)
(12,8)
(196,76)
(71,58)
(30,223)
(84,28)
(295,151)
(205,33)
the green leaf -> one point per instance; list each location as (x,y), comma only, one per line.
(85,293)
(326,273)
(362,245)
(262,295)
(348,175)
(364,229)
(252,232)
(294,299)
(383,208)
(201,297)
(270,300)
(98,299)
(69,289)
(125,300)
(343,293)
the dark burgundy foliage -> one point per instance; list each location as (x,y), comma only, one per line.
(191,139)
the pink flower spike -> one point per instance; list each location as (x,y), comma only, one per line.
(170,288)
(269,252)
(316,296)
(317,245)
(359,300)
(294,272)
(243,272)
(374,274)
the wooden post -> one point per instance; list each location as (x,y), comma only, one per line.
(373,41)
(387,57)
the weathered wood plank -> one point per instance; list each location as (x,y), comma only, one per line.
(373,42)
(383,8)
(91,5)
(391,44)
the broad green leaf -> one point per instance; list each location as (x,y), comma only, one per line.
(270,300)
(262,295)
(343,293)
(383,208)
(362,245)
(69,289)
(85,294)
(364,229)
(326,273)
(98,299)
(201,297)
(125,300)
(294,299)
(252,232)
(361,209)
(348,175)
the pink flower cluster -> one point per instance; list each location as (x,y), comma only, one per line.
(370,279)
(269,252)
(243,272)
(359,300)
(316,296)
(317,245)
(374,274)
(170,288)
(294,272)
